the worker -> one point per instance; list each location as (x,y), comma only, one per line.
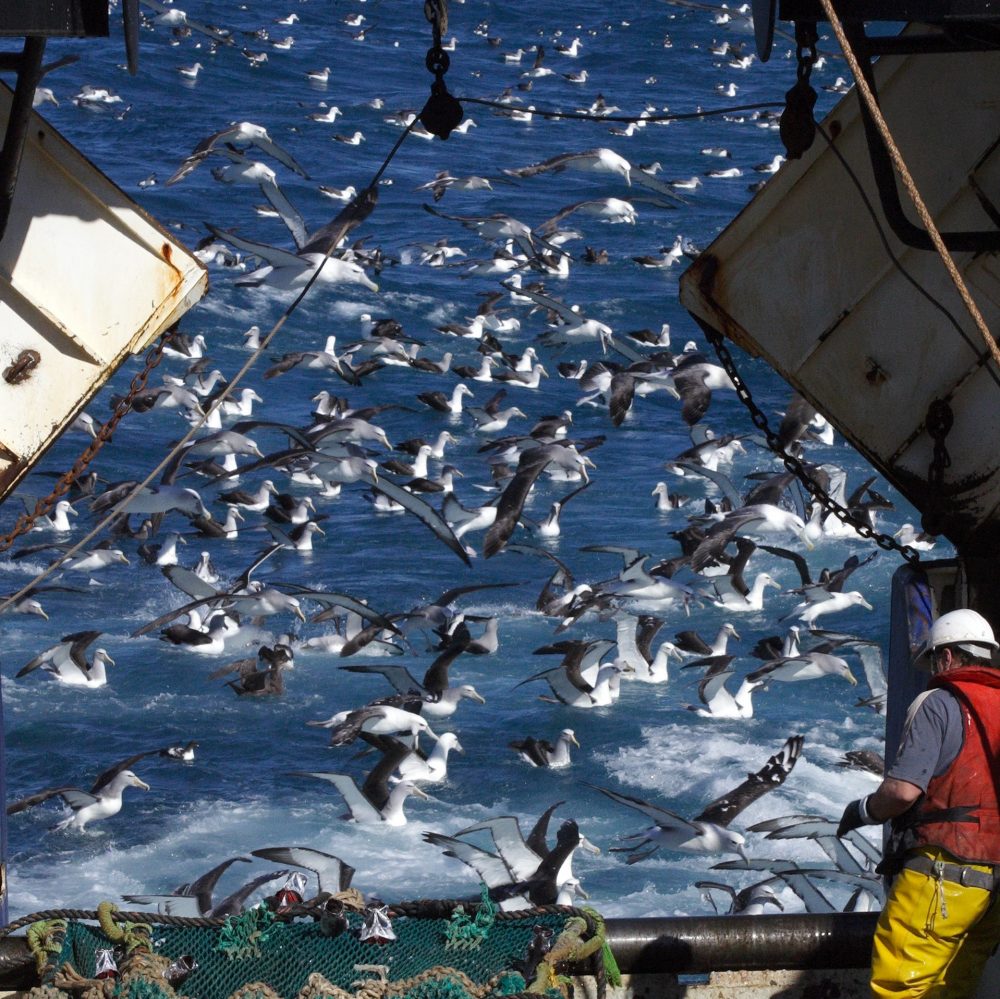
(940,922)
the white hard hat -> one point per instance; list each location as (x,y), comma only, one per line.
(966,629)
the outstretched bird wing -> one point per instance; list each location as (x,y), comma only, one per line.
(421,510)
(37,798)
(333,874)
(661,816)
(724,809)
(349,217)
(360,807)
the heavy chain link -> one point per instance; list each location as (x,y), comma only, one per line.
(44,506)
(794,465)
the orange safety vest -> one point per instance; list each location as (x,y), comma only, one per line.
(960,811)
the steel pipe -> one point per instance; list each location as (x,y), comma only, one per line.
(693,944)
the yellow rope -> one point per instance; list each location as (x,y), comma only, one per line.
(911,188)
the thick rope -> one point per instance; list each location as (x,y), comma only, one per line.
(911,188)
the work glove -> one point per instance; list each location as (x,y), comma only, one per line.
(855,815)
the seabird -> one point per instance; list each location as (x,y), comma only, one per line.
(558,455)
(809,610)
(298,538)
(205,569)
(195,899)
(542,753)
(427,768)
(208,639)
(255,681)
(581,680)
(379,719)
(242,134)
(58,520)
(255,502)
(909,536)
(865,760)
(67,661)
(810,665)
(520,864)
(718,701)
(183,752)
(708,832)
(156,499)
(444,403)
(88,560)
(164,553)
(103,800)
(691,641)
(729,595)
(552,879)
(822,831)
(373,801)
(437,698)
(317,360)
(750,901)
(600,160)
(175,18)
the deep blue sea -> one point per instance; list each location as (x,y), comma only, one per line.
(237,794)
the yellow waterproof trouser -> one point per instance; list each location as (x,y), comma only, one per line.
(933,936)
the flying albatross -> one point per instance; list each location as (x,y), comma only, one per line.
(708,832)
(103,800)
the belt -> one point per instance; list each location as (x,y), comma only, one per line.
(960,874)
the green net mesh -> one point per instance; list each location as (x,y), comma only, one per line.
(437,955)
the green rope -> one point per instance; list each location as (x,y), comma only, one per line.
(241,936)
(466,933)
(510,983)
(127,934)
(611,969)
(45,940)
(441,988)
(140,988)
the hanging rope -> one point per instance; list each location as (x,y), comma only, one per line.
(911,188)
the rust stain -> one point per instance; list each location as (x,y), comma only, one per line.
(168,253)
(707,275)
(875,374)
(704,270)
(22,367)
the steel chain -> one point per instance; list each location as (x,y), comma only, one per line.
(44,506)
(794,465)
(806,56)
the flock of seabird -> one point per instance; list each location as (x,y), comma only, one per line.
(496,448)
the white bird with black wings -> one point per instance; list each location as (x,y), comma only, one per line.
(708,832)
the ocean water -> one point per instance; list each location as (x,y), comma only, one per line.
(238,795)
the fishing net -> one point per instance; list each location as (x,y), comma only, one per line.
(418,950)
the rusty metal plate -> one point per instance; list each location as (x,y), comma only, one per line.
(871,332)
(67,319)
